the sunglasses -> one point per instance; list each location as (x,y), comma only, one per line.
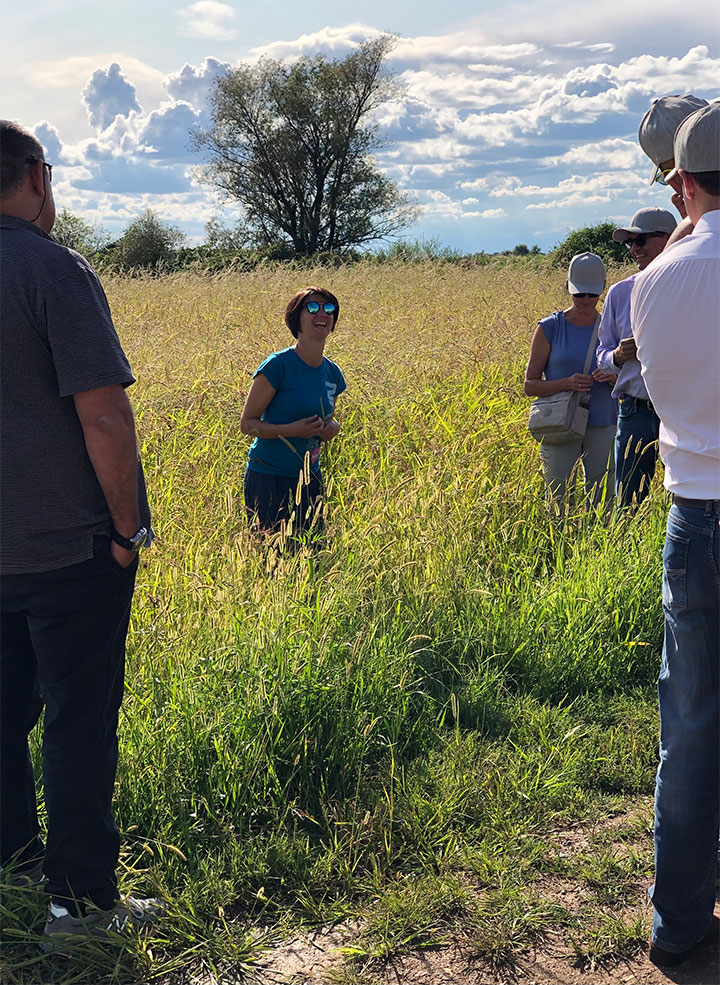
(586,295)
(313,307)
(640,240)
(36,160)
(661,176)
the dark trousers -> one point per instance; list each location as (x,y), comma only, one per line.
(271,499)
(62,644)
(636,450)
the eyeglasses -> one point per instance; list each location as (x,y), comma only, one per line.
(313,307)
(661,176)
(586,295)
(36,160)
(640,240)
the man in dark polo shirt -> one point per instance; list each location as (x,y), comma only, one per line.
(73,518)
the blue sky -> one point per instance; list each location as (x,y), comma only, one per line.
(518,122)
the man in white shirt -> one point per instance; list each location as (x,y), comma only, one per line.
(675,313)
(636,441)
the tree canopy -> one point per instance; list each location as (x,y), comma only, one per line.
(147,242)
(292,145)
(591,239)
(73,231)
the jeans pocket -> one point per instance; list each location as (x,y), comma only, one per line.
(675,561)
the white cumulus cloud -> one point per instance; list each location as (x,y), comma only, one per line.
(210,20)
(109,94)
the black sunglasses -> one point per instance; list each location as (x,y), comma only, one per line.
(586,295)
(36,160)
(640,240)
(313,307)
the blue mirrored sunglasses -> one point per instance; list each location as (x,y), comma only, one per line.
(313,307)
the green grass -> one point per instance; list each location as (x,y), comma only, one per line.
(306,738)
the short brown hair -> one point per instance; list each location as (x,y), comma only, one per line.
(709,181)
(294,307)
(16,145)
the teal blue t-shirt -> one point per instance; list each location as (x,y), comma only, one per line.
(300,391)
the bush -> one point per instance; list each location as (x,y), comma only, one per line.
(147,244)
(77,234)
(591,239)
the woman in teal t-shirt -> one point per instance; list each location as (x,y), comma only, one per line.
(289,412)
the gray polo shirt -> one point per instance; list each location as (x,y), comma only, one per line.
(56,339)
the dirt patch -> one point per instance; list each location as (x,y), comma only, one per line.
(311,957)
(318,960)
(575,954)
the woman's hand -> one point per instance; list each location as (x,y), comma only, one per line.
(600,376)
(307,427)
(579,382)
(330,430)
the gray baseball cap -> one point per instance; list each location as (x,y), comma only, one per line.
(586,274)
(659,124)
(697,141)
(646,221)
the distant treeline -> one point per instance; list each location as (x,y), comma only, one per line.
(150,245)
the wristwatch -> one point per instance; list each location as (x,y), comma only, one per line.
(134,543)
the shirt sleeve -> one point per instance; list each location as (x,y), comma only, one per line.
(85,347)
(607,336)
(273,369)
(340,380)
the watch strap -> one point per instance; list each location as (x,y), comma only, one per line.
(136,543)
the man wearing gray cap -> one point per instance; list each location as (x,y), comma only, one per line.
(638,424)
(656,134)
(675,309)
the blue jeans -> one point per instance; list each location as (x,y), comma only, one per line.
(687,792)
(636,450)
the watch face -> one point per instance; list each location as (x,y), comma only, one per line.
(140,539)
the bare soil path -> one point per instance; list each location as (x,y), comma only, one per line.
(571,955)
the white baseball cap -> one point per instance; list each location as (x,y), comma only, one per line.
(697,141)
(646,221)
(586,274)
(659,124)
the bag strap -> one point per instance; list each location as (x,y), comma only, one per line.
(591,347)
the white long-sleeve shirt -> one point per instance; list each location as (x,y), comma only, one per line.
(675,314)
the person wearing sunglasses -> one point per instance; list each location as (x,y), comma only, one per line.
(289,412)
(656,135)
(636,442)
(674,309)
(557,358)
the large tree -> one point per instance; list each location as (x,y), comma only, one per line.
(292,144)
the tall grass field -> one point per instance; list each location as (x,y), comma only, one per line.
(384,733)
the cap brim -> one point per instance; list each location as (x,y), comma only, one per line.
(655,173)
(673,174)
(623,234)
(585,288)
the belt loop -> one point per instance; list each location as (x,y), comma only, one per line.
(712,509)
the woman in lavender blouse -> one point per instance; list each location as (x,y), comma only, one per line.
(557,360)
